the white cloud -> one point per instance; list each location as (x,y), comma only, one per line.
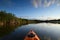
(45,3)
(53,1)
(58,2)
(35,4)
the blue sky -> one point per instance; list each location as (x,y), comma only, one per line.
(32,9)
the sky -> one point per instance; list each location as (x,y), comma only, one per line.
(32,9)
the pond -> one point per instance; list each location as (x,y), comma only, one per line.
(45,31)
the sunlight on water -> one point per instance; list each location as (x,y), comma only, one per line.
(45,31)
(50,28)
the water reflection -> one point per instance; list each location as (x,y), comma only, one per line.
(45,31)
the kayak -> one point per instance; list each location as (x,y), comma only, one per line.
(31,36)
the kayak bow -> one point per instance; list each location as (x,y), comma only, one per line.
(31,36)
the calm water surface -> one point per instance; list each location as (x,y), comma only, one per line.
(45,31)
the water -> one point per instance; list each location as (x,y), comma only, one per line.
(45,31)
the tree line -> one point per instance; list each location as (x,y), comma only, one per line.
(10,19)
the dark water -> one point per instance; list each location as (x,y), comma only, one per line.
(45,31)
